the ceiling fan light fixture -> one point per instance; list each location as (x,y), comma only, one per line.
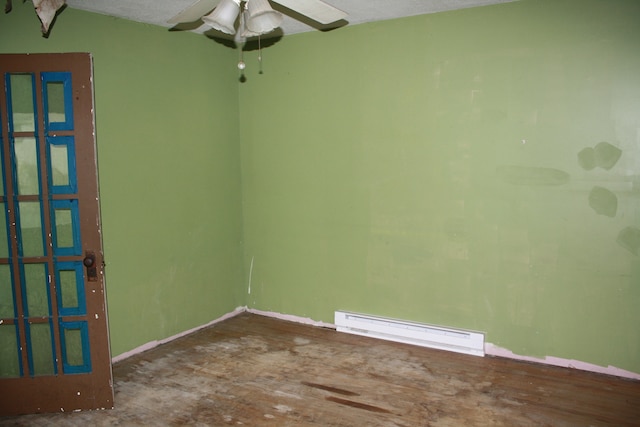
(223,17)
(261,18)
(245,32)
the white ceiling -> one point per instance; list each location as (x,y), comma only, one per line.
(158,12)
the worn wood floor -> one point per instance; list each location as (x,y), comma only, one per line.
(257,371)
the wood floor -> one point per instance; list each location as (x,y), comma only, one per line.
(257,371)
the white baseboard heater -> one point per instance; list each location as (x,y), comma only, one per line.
(457,340)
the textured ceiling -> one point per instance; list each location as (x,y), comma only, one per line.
(158,12)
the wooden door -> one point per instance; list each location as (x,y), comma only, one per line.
(54,345)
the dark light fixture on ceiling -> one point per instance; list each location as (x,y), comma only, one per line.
(45,9)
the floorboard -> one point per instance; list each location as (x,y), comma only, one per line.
(253,370)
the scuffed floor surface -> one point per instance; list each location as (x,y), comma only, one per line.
(256,371)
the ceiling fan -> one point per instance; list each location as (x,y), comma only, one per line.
(256,17)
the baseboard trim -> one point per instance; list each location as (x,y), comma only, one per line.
(494,350)
(292,318)
(153,344)
(489,348)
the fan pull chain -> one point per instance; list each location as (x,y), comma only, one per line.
(259,55)
(241,64)
(240,42)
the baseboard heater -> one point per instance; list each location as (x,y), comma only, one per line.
(457,340)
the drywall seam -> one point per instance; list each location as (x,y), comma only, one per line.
(494,350)
(153,344)
(292,318)
(489,348)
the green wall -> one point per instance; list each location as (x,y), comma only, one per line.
(167,132)
(432,168)
(442,168)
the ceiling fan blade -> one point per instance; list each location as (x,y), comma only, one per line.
(317,10)
(194,12)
